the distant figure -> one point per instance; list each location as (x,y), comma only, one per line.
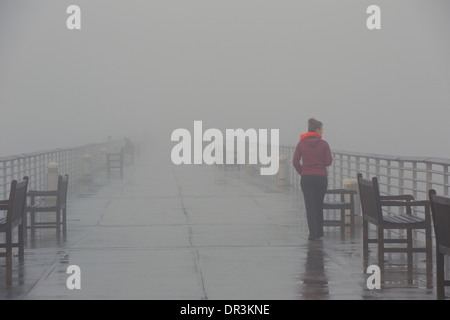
(127,145)
(315,155)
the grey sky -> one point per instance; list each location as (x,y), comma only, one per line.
(149,67)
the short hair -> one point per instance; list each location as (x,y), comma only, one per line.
(314,124)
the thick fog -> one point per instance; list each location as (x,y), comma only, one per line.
(146,68)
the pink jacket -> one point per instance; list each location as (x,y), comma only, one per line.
(315,154)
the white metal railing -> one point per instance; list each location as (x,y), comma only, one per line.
(34,165)
(396,175)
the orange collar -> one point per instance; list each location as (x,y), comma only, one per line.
(310,134)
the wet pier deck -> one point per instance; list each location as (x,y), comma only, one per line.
(200,232)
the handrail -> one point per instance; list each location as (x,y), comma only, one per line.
(34,165)
(396,174)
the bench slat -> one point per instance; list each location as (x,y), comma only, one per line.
(402,219)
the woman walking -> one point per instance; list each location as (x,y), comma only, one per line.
(315,156)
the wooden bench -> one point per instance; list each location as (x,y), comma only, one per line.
(372,204)
(440,212)
(53,201)
(14,218)
(115,161)
(342,205)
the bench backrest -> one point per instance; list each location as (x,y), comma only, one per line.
(115,157)
(440,213)
(369,194)
(63,185)
(17,202)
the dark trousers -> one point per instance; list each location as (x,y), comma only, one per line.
(314,188)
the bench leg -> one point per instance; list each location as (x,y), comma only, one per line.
(429,245)
(409,254)
(365,239)
(33,222)
(343,225)
(409,250)
(440,286)
(352,219)
(380,247)
(9,256)
(21,242)
(25,225)
(429,257)
(64,217)
(58,224)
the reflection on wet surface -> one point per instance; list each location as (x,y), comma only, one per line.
(314,278)
(201,232)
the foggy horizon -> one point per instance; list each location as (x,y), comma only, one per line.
(148,68)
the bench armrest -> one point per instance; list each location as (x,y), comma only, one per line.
(393,203)
(340,191)
(35,193)
(406,197)
(408,205)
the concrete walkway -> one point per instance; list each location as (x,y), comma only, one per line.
(200,232)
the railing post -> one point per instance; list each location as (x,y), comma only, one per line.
(401,185)
(429,181)
(86,168)
(357,167)
(103,158)
(349,161)
(377,168)
(388,179)
(352,184)
(401,177)
(52,178)
(332,172)
(5,192)
(291,167)
(414,177)
(282,172)
(445,180)
(367,167)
